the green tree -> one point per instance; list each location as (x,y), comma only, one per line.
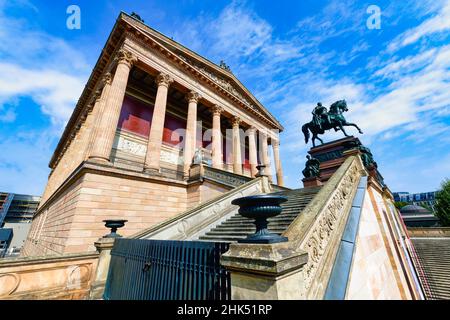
(442,205)
(400,204)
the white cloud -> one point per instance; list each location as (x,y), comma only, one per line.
(439,23)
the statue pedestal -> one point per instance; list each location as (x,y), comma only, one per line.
(332,154)
(311,182)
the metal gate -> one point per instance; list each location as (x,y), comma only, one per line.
(167,270)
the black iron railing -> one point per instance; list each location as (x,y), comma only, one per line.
(167,270)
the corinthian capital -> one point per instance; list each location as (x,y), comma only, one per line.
(236,121)
(217,110)
(126,57)
(193,96)
(251,130)
(275,143)
(163,80)
(107,78)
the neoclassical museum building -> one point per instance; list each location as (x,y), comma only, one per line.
(158,129)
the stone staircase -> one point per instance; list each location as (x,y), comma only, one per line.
(238,227)
(433,255)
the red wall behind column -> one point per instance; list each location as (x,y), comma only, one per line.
(135,117)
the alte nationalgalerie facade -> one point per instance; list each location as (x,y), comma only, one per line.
(121,155)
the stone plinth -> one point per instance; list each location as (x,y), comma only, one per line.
(331,155)
(265,271)
(311,182)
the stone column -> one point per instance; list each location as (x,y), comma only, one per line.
(191,131)
(237,158)
(156,131)
(252,151)
(265,155)
(110,116)
(98,111)
(276,156)
(217,155)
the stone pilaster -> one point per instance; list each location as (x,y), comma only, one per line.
(217,138)
(152,158)
(191,131)
(253,153)
(278,167)
(110,116)
(237,157)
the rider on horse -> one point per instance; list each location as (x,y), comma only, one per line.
(320,112)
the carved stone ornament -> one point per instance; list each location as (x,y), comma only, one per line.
(126,57)
(107,78)
(236,121)
(193,96)
(217,110)
(164,79)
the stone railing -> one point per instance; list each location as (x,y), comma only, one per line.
(319,228)
(301,267)
(187,224)
(201,171)
(67,276)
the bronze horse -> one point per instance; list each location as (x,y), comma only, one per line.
(337,122)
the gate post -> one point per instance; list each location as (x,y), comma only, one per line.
(104,247)
(265,271)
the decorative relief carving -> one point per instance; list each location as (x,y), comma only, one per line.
(9,282)
(319,237)
(224,177)
(171,157)
(132,147)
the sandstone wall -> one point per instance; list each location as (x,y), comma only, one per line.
(376,271)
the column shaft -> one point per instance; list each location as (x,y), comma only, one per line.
(278,168)
(265,156)
(152,157)
(217,138)
(252,151)
(110,117)
(191,131)
(237,156)
(97,112)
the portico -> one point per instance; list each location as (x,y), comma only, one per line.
(182,121)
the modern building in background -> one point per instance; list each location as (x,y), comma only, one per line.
(426,199)
(16,213)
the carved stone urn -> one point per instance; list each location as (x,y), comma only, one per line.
(260,208)
(114,225)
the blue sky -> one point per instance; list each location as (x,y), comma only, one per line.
(290,54)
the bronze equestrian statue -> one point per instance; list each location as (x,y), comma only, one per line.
(326,120)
